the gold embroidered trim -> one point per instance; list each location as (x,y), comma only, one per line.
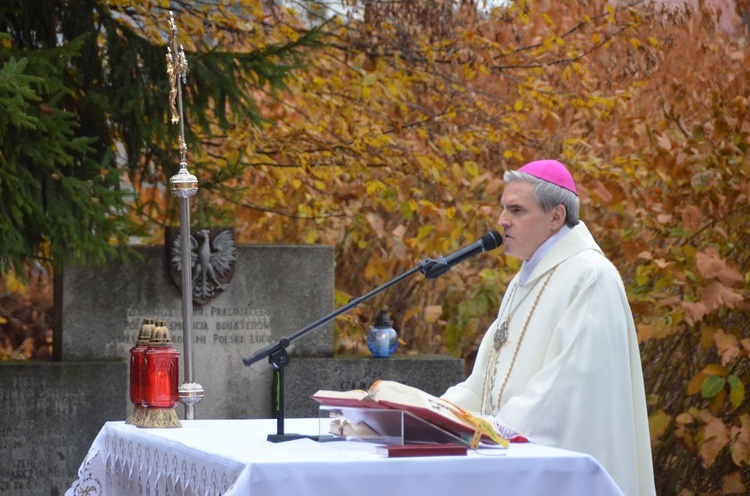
(492,368)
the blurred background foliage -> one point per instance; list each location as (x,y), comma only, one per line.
(383,129)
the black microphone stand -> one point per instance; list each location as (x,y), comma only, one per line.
(279,358)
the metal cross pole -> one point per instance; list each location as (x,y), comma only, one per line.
(183,185)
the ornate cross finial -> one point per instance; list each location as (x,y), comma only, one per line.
(183,184)
(177,72)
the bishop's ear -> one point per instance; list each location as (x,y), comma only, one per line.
(558,217)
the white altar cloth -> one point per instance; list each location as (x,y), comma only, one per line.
(233,457)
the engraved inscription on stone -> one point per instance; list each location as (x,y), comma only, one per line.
(212,325)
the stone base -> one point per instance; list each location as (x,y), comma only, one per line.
(50,413)
(304,376)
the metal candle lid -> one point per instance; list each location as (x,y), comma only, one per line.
(382,320)
(160,335)
(144,336)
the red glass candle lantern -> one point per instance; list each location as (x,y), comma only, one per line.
(137,356)
(161,380)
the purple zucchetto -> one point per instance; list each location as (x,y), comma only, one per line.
(551,171)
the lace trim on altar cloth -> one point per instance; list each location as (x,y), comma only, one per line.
(120,467)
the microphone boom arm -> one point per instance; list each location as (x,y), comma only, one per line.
(278,357)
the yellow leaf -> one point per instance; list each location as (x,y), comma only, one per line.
(732,484)
(13,283)
(375,267)
(736,391)
(369,80)
(682,429)
(374,186)
(518,106)
(447,146)
(694,385)
(684,418)
(658,423)
(644,332)
(715,369)
(717,403)
(707,337)
(424,231)
(432,313)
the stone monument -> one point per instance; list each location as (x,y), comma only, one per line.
(276,289)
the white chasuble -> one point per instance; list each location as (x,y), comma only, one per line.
(569,373)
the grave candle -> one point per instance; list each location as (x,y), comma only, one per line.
(137,386)
(161,369)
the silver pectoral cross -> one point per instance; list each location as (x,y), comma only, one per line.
(501,335)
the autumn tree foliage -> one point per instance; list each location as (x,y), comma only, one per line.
(389,143)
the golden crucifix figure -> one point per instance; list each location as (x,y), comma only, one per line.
(172,87)
(176,69)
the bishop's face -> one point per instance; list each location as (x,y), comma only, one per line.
(525,225)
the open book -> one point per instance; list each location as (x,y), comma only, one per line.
(432,409)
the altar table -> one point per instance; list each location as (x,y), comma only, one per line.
(233,457)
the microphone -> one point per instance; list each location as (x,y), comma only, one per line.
(438,267)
